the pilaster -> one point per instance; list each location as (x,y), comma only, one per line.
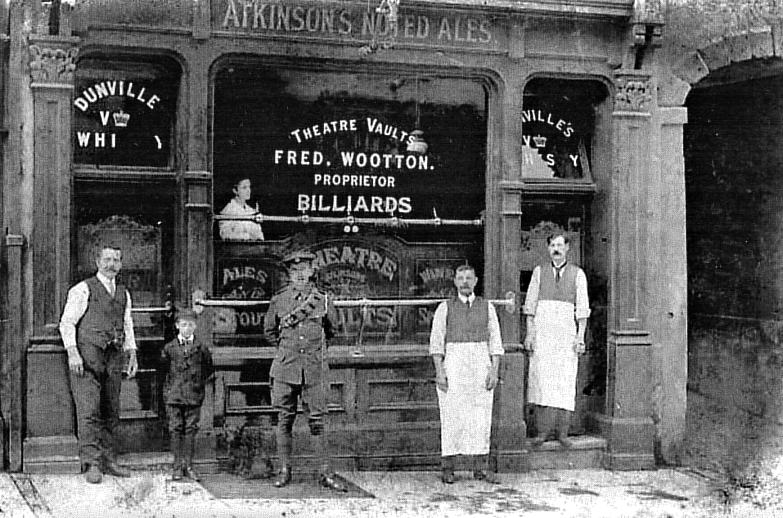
(626,421)
(52,66)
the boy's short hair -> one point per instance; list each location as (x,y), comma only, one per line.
(187,314)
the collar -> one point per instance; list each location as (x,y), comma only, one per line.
(181,338)
(105,280)
(565,263)
(467,300)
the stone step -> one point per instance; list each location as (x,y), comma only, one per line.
(587,453)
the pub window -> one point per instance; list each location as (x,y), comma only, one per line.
(380,175)
(558,129)
(124,111)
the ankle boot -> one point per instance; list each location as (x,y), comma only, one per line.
(447,467)
(543,425)
(564,423)
(482,471)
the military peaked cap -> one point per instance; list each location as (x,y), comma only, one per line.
(187,314)
(300,256)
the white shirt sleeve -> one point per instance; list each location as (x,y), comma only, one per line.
(438,333)
(75,306)
(582,309)
(531,299)
(130,337)
(495,341)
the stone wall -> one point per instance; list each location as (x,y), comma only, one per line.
(735,253)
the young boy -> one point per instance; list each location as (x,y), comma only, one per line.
(189,365)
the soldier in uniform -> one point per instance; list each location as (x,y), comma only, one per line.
(299,320)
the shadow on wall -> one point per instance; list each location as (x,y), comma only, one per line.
(733,155)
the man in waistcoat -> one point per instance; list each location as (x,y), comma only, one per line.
(97,331)
(299,320)
(557,309)
(466,347)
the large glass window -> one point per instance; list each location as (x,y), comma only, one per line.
(124,112)
(380,175)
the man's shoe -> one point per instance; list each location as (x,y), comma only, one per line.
(565,442)
(191,473)
(283,477)
(112,468)
(538,440)
(93,474)
(176,473)
(331,482)
(487,476)
(447,477)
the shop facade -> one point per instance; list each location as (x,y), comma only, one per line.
(393,143)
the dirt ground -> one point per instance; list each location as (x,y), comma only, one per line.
(739,451)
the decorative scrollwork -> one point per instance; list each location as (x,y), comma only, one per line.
(633,94)
(52,65)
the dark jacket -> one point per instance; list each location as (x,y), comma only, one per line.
(188,369)
(300,347)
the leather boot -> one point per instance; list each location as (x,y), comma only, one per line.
(189,448)
(176,449)
(447,467)
(563,424)
(110,467)
(543,425)
(327,477)
(283,477)
(284,454)
(481,469)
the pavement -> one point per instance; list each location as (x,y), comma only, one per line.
(662,493)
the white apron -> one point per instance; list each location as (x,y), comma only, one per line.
(554,363)
(466,408)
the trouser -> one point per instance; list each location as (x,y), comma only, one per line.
(96,395)
(551,420)
(183,426)
(284,399)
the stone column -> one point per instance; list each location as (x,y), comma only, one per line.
(626,421)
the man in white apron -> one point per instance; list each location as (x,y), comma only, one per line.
(557,310)
(465,345)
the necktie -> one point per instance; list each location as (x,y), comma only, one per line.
(558,271)
(112,289)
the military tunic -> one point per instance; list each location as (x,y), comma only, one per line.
(299,320)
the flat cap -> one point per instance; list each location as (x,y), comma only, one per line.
(299,256)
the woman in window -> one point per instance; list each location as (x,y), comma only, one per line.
(240,230)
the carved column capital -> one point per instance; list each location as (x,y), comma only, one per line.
(634,91)
(52,62)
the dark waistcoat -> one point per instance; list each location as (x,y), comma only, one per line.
(103,320)
(564,290)
(467,323)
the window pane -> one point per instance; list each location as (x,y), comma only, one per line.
(334,145)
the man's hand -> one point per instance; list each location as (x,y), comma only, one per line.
(579,346)
(491,381)
(133,364)
(530,341)
(75,363)
(442,383)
